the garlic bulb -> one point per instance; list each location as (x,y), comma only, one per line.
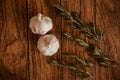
(40,24)
(48,45)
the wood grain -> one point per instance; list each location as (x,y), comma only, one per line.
(19,57)
(108,19)
(13,40)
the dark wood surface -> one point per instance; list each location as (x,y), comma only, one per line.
(19,57)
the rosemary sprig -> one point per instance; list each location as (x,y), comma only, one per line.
(80,60)
(90,30)
(93,50)
(101,57)
(75,39)
(83,75)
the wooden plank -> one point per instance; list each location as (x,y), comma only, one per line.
(20,59)
(68,46)
(88,16)
(108,19)
(13,40)
(39,68)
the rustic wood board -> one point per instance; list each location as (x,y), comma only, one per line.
(19,57)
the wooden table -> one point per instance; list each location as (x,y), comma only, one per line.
(19,57)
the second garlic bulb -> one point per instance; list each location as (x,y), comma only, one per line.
(40,24)
(48,45)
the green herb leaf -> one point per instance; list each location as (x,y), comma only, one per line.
(101,57)
(75,39)
(80,60)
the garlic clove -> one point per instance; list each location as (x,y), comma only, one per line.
(40,24)
(48,44)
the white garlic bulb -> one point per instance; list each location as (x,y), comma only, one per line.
(48,44)
(40,24)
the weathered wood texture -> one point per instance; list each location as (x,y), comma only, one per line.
(13,40)
(19,57)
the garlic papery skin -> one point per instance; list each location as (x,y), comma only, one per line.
(48,44)
(40,24)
